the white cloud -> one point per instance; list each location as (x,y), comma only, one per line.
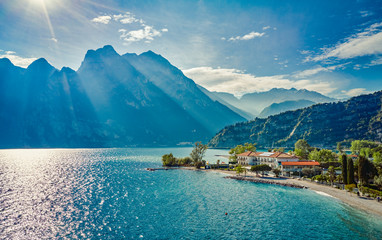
(238,82)
(375,62)
(368,42)
(316,70)
(148,34)
(355,92)
(102,19)
(17,60)
(54,39)
(366,13)
(248,36)
(266,27)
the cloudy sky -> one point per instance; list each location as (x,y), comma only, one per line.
(333,47)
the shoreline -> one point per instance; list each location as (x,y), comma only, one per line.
(367,205)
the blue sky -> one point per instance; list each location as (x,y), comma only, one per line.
(333,47)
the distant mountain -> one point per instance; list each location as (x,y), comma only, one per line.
(215,97)
(254,103)
(276,108)
(322,125)
(111,101)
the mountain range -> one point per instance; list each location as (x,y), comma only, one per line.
(251,105)
(111,101)
(322,125)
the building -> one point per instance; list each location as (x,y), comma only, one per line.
(273,159)
(294,168)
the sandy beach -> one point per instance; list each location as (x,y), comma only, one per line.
(366,204)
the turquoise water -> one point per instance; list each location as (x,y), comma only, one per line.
(107,194)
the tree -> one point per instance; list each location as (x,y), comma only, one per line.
(350,168)
(377,157)
(307,172)
(332,174)
(378,181)
(239,169)
(339,147)
(357,145)
(240,149)
(324,155)
(197,154)
(366,170)
(169,160)
(302,148)
(365,152)
(276,171)
(344,168)
(261,168)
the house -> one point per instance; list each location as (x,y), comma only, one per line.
(291,168)
(273,159)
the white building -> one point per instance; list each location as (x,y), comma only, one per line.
(273,159)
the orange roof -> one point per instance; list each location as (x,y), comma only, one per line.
(266,154)
(300,163)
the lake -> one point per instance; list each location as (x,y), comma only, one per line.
(108,194)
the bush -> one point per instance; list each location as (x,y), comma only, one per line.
(372,192)
(350,187)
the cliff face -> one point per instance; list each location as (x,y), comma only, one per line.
(322,125)
(111,101)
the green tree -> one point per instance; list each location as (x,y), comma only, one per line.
(344,168)
(366,170)
(276,171)
(241,149)
(302,148)
(307,172)
(365,152)
(239,169)
(324,155)
(339,147)
(350,168)
(377,156)
(261,168)
(169,160)
(197,154)
(331,174)
(378,181)
(357,145)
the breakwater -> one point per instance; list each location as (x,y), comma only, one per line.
(267,181)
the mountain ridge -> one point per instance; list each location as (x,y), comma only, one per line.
(107,102)
(322,125)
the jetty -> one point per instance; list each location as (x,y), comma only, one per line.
(267,181)
(158,169)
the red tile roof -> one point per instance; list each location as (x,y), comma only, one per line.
(266,154)
(300,163)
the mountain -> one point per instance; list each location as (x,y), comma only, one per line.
(254,103)
(276,108)
(215,97)
(108,102)
(322,125)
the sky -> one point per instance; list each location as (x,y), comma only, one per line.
(332,47)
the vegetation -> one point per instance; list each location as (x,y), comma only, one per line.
(241,149)
(276,171)
(261,168)
(350,168)
(197,154)
(302,148)
(350,187)
(239,169)
(308,172)
(195,159)
(344,165)
(331,174)
(324,155)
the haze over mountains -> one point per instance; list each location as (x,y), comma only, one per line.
(252,104)
(112,100)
